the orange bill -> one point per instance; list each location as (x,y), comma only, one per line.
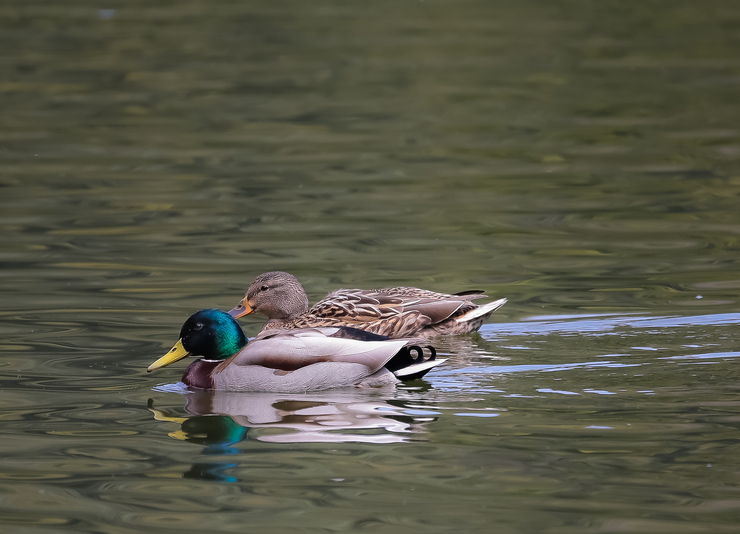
(242,309)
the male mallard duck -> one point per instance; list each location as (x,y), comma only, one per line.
(393,312)
(290,361)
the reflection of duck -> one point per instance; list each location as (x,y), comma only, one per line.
(290,361)
(341,416)
(218,433)
(394,312)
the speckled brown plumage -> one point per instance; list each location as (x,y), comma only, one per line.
(394,312)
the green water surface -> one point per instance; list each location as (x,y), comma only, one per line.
(581,159)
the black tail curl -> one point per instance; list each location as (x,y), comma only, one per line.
(410,355)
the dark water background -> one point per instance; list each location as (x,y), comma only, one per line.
(581,159)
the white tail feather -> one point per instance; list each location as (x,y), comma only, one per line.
(418,367)
(481,311)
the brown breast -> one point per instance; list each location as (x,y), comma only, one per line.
(198,374)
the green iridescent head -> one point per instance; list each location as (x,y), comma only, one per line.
(212,334)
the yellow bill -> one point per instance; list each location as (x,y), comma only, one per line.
(177,352)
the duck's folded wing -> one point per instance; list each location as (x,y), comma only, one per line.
(361,306)
(356,305)
(289,351)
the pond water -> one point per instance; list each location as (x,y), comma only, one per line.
(580,159)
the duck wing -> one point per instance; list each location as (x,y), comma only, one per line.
(409,306)
(289,350)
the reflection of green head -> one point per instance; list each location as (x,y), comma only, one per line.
(213,430)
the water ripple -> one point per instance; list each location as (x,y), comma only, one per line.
(599,324)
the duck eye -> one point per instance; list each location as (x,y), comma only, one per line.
(264,288)
(198,326)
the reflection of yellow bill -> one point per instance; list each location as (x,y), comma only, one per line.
(159,415)
(177,352)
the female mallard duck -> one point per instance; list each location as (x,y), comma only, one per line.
(393,312)
(290,361)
